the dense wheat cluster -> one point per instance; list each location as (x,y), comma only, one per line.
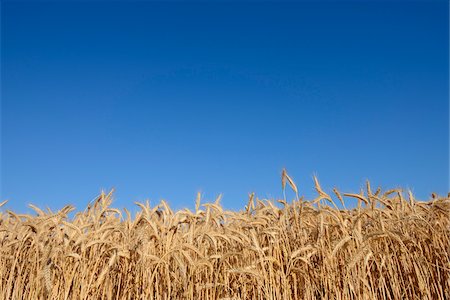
(390,246)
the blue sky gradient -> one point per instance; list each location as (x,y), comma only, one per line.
(161,100)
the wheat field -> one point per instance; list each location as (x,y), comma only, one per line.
(390,246)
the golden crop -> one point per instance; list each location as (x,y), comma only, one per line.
(390,246)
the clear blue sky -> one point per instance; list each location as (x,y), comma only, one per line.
(160,100)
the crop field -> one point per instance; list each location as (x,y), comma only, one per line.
(388,246)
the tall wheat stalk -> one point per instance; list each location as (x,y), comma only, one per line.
(389,247)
